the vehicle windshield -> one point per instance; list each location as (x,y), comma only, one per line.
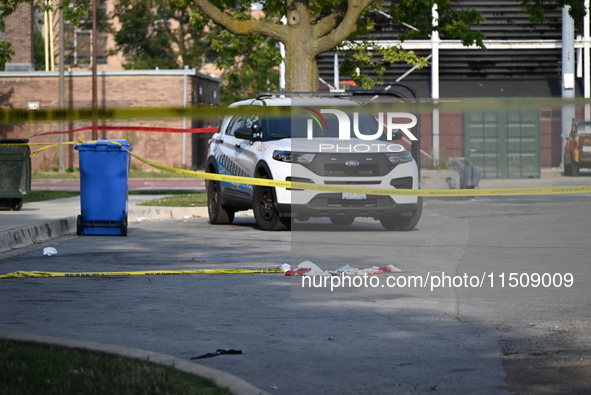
(584,128)
(326,126)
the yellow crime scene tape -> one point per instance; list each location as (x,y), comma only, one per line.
(38,274)
(370,191)
(20,115)
(557,190)
(292,185)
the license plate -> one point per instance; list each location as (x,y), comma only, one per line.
(353,196)
(587,149)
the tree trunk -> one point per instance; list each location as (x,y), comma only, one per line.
(301,68)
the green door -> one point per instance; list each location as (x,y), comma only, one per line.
(503,143)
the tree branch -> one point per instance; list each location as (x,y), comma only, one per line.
(347,26)
(326,24)
(241,27)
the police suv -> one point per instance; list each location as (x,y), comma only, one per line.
(322,140)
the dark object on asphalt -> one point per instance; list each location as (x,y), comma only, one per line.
(15,173)
(218,352)
(465,175)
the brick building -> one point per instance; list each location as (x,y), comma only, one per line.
(23,88)
(115,89)
(18,28)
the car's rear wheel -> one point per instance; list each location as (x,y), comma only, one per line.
(218,213)
(404,223)
(574,166)
(265,213)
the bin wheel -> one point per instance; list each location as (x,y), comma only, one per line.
(79,225)
(124,226)
(17,204)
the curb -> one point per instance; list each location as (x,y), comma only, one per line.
(33,234)
(222,379)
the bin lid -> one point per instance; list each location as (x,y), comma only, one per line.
(104,144)
(14,141)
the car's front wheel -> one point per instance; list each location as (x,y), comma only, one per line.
(265,213)
(404,223)
(218,213)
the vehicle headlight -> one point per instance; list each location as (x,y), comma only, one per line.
(282,156)
(397,158)
(303,159)
(288,156)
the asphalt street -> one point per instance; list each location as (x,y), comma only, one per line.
(366,340)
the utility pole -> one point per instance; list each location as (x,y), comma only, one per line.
(94,83)
(61,102)
(568,72)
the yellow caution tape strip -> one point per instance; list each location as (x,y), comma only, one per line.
(37,274)
(371,191)
(45,145)
(11,116)
(349,189)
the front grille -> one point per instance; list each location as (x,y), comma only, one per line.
(343,182)
(342,170)
(334,165)
(369,202)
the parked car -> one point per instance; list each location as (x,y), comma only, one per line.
(577,151)
(308,145)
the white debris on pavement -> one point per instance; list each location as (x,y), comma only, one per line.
(49,251)
(307,268)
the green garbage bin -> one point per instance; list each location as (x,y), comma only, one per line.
(15,172)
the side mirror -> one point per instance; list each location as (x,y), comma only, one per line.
(251,133)
(244,133)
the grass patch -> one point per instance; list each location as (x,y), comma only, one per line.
(195,199)
(37,369)
(181,198)
(40,196)
(161,192)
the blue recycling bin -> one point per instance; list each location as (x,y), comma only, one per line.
(104,170)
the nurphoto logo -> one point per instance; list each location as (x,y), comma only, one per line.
(344,123)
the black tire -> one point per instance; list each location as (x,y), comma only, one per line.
(567,169)
(79,225)
(404,223)
(124,226)
(17,204)
(574,169)
(218,213)
(265,213)
(342,220)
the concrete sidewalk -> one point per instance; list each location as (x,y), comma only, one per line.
(41,221)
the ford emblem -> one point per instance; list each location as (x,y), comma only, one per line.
(351,163)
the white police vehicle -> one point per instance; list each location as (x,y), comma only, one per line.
(309,145)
